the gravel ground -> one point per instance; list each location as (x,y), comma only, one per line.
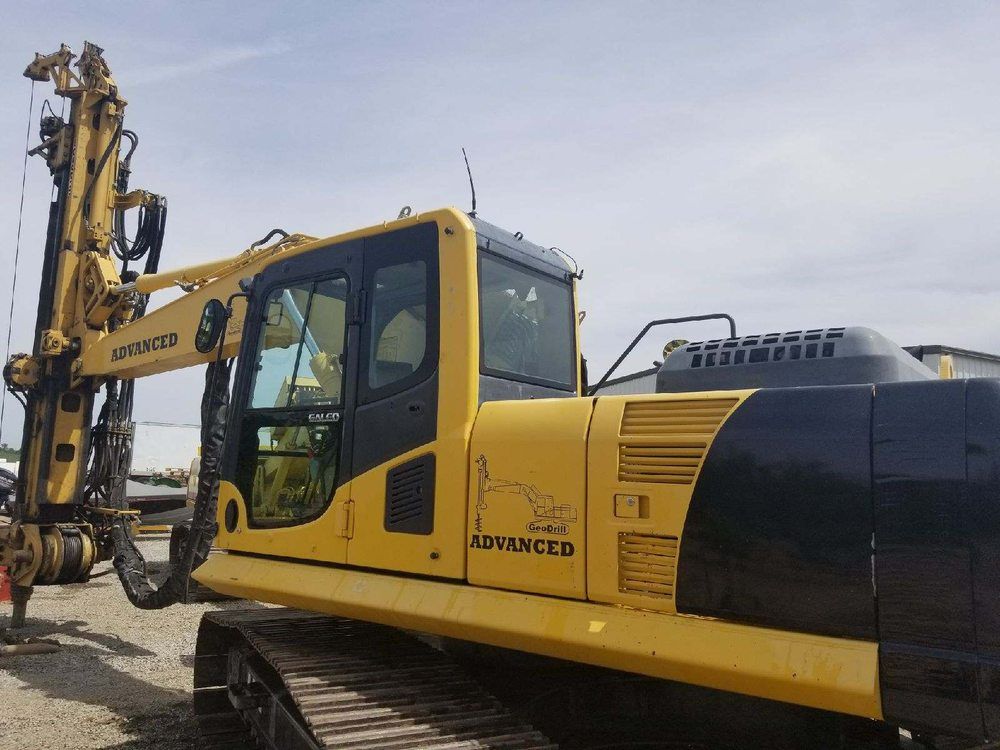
(122,679)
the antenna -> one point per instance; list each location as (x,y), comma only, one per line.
(472,185)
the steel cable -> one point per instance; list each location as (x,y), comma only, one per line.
(17,251)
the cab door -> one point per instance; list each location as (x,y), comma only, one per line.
(288,472)
(398,519)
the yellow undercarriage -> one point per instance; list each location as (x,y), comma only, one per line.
(830,673)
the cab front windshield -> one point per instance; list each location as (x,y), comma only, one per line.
(526,324)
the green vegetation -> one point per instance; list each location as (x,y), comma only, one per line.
(9,454)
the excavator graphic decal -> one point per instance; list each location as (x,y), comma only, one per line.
(547,513)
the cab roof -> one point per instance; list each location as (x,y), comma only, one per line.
(493,239)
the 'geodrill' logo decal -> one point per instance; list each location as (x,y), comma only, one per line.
(539,527)
(144,346)
(550,517)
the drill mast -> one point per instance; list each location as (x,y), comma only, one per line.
(52,538)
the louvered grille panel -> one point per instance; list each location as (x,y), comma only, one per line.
(647,565)
(409,497)
(669,438)
(406,495)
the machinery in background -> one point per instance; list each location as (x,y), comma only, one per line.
(169,477)
(8,483)
(804,525)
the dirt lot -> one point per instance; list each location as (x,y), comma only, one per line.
(122,679)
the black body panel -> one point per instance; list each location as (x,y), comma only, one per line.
(982,434)
(932,689)
(801,484)
(394,425)
(924,559)
(779,529)
(923,568)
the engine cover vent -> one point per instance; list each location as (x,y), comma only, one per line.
(647,565)
(409,497)
(669,438)
(818,356)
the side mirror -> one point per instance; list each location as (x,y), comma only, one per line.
(210,327)
(275,313)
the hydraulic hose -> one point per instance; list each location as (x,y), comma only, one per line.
(128,560)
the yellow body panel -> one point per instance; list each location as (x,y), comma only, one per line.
(439,553)
(527,496)
(323,539)
(645,454)
(830,673)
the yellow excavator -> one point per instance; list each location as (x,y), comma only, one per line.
(797,536)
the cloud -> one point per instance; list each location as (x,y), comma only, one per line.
(216,60)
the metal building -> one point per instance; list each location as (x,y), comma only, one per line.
(963,363)
(637,382)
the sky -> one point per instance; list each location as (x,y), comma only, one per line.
(793,164)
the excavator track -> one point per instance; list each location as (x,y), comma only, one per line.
(285,679)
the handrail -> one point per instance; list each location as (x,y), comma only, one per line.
(664,321)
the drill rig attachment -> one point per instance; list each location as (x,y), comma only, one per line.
(63,511)
(70,509)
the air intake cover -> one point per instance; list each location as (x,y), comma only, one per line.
(647,565)
(821,356)
(666,440)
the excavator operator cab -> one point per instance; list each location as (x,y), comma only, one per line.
(362,365)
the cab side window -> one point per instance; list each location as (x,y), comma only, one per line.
(398,343)
(399,336)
